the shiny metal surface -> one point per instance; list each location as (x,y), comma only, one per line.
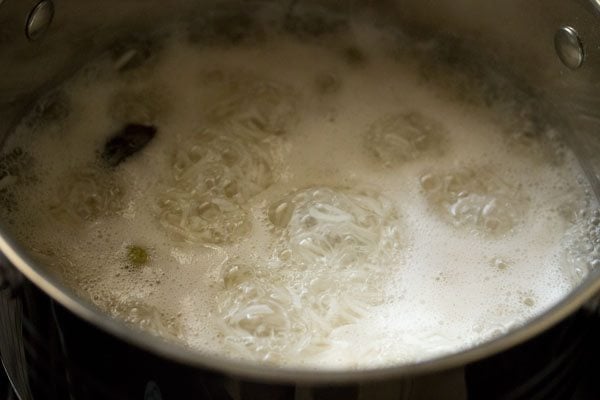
(569,47)
(39,19)
(84,28)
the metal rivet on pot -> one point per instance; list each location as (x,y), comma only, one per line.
(39,19)
(569,47)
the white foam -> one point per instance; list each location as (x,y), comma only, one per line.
(425,276)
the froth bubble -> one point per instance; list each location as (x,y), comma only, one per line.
(475,198)
(398,138)
(501,263)
(335,226)
(214,175)
(581,245)
(260,107)
(87,194)
(141,315)
(529,132)
(326,273)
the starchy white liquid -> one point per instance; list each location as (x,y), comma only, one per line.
(301,203)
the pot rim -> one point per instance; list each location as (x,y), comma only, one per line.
(51,285)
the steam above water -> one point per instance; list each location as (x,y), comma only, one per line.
(312,198)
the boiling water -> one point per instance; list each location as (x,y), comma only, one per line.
(307,199)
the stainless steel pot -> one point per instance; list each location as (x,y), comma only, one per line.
(553,45)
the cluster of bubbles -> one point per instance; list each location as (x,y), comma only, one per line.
(261,315)
(582,245)
(213,177)
(257,106)
(217,171)
(87,194)
(475,198)
(404,137)
(532,135)
(141,315)
(333,227)
(334,247)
